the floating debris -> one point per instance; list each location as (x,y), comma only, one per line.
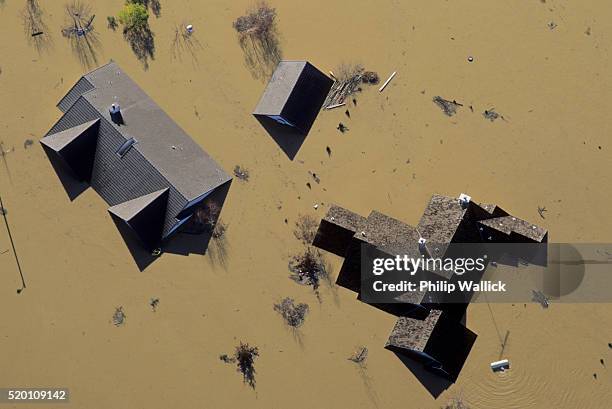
(347,113)
(342,128)
(154,303)
(328,150)
(305,228)
(347,83)
(227,359)
(370,77)
(470,59)
(541,211)
(551,25)
(241,173)
(27,143)
(491,115)
(314,176)
(448,107)
(293,314)
(539,297)
(382,88)
(360,356)
(502,365)
(336,106)
(119,317)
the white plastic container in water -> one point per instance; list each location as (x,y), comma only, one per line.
(500,365)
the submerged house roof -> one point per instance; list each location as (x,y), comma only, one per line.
(438,338)
(130,154)
(295,94)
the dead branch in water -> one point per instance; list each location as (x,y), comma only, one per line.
(448,107)
(244,358)
(258,38)
(347,82)
(306,229)
(79,30)
(185,41)
(34,27)
(293,314)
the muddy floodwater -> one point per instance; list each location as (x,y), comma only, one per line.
(542,66)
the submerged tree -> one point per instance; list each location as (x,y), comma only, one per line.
(135,20)
(258,39)
(293,314)
(308,268)
(306,229)
(79,30)
(244,358)
(34,27)
(153,4)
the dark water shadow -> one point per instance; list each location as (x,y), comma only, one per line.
(141,256)
(261,54)
(183,243)
(72,186)
(289,139)
(86,49)
(185,44)
(368,385)
(142,42)
(434,384)
(194,239)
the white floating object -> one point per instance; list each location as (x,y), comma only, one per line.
(316,206)
(336,105)
(189,28)
(381,89)
(500,365)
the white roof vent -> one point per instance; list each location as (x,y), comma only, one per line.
(423,246)
(114,109)
(464,200)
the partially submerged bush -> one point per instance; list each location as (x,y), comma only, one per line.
(244,357)
(306,228)
(293,314)
(257,23)
(307,268)
(111,22)
(360,356)
(134,17)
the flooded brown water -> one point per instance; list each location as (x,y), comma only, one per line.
(551,85)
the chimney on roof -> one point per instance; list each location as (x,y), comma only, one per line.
(464,200)
(115,114)
(423,246)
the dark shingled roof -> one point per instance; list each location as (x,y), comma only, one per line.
(413,334)
(389,235)
(441,219)
(510,224)
(163,155)
(344,218)
(296,92)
